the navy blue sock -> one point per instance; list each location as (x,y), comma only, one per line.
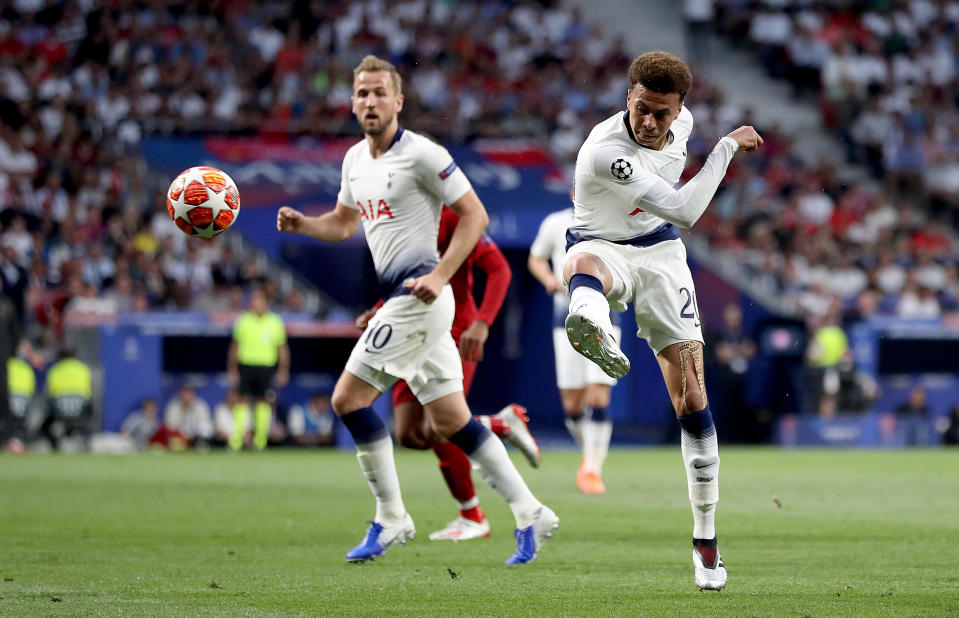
(698,424)
(599,415)
(471,436)
(588,280)
(365,425)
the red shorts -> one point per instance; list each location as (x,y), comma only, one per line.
(403,394)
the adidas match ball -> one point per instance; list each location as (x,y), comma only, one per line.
(203,201)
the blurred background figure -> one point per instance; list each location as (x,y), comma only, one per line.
(950,427)
(312,423)
(189,415)
(732,350)
(69,400)
(142,424)
(22,386)
(259,357)
(912,417)
(828,346)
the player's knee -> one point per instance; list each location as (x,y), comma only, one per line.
(343,403)
(572,400)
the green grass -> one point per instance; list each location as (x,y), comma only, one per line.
(857,533)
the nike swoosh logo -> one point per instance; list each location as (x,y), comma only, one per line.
(700,467)
(352,178)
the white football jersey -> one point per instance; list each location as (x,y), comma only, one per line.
(613,172)
(399,197)
(550,244)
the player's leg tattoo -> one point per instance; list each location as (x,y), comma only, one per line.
(691,355)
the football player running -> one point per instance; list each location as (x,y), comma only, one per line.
(396,183)
(584,389)
(625,247)
(470,331)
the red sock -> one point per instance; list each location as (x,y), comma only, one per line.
(455,466)
(495,424)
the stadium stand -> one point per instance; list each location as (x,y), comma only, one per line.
(83,84)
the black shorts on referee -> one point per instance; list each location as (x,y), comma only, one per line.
(256,380)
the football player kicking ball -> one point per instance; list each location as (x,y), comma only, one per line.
(470,330)
(625,247)
(584,389)
(396,182)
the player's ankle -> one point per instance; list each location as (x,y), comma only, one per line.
(474,514)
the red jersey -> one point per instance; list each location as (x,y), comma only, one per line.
(488,257)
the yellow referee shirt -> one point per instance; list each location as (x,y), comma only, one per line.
(258,337)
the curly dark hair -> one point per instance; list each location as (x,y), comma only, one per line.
(661,72)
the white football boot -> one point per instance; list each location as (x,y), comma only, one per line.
(596,343)
(462,529)
(708,568)
(519,436)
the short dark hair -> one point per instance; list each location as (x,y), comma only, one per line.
(372,63)
(661,72)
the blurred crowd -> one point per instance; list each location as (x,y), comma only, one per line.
(82,224)
(884,76)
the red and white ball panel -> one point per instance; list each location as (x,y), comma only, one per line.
(203,201)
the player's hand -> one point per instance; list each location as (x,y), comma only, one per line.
(426,288)
(553,285)
(363,320)
(282,377)
(747,138)
(472,341)
(289,220)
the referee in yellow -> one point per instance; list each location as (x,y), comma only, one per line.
(259,357)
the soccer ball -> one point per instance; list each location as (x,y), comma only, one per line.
(203,201)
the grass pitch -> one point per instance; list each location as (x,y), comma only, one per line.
(816,533)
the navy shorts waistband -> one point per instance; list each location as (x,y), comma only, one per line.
(664,232)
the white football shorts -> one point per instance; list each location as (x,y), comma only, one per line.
(573,370)
(410,340)
(657,281)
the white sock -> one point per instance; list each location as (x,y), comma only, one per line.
(592,304)
(498,471)
(379,468)
(575,427)
(596,444)
(701,456)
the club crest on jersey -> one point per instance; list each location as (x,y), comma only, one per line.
(621,169)
(373,213)
(449,170)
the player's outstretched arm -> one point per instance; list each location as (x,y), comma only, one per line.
(473,220)
(336,225)
(683,206)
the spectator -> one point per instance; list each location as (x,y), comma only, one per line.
(190,416)
(142,424)
(912,416)
(312,423)
(733,350)
(223,419)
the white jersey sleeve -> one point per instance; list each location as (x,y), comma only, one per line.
(439,175)
(618,171)
(345,196)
